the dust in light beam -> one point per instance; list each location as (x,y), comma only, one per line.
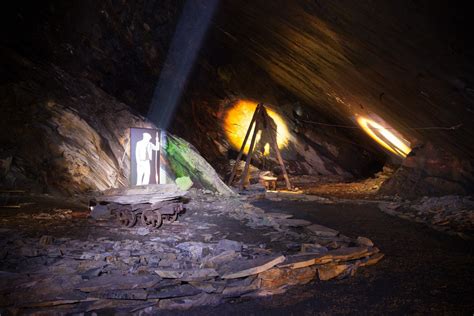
(237,121)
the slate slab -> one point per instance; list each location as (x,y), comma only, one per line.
(187,302)
(331,271)
(174,291)
(371,260)
(118,282)
(304,260)
(293,222)
(364,241)
(245,267)
(210,286)
(348,253)
(227,244)
(136,294)
(320,230)
(222,258)
(187,275)
(240,289)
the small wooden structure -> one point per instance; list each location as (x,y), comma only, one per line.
(261,121)
(268,181)
(148,205)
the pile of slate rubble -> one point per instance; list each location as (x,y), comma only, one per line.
(221,249)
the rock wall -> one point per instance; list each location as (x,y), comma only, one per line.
(315,150)
(405,61)
(431,171)
(121,48)
(64,135)
(409,62)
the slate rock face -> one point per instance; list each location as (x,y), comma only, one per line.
(122,47)
(313,61)
(67,136)
(431,171)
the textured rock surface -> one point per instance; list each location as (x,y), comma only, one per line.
(451,214)
(430,171)
(68,136)
(324,62)
(65,135)
(398,60)
(122,52)
(206,257)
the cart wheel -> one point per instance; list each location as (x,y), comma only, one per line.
(127,218)
(172,218)
(151,218)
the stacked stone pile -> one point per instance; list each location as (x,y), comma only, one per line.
(451,214)
(194,261)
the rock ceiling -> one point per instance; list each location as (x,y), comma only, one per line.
(406,62)
(398,60)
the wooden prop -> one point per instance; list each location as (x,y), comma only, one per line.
(261,122)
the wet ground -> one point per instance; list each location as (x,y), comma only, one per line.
(423,272)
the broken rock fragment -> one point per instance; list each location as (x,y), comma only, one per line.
(118,282)
(240,287)
(137,294)
(364,241)
(304,260)
(188,302)
(330,271)
(349,253)
(226,245)
(174,291)
(222,258)
(245,267)
(281,277)
(187,275)
(323,231)
(371,260)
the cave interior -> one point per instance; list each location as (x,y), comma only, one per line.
(369,111)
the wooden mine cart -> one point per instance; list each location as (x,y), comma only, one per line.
(148,205)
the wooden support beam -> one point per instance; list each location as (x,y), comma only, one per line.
(282,165)
(261,122)
(249,154)
(241,151)
(274,145)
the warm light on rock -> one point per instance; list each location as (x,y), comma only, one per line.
(237,121)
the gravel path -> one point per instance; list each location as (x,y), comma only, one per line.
(423,272)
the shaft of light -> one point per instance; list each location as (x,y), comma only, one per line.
(192,27)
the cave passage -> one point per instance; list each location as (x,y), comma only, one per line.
(206,157)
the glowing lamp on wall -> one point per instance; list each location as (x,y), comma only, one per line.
(237,120)
(388,139)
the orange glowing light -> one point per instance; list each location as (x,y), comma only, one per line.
(384,137)
(237,121)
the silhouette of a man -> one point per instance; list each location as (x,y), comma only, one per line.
(144,156)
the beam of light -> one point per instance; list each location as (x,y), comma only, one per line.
(237,120)
(192,26)
(384,137)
